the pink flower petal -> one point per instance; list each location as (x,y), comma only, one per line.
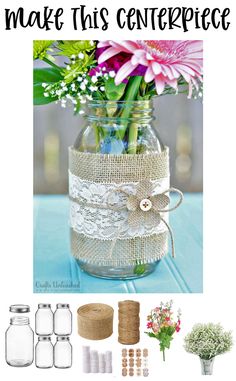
(160,85)
(129,45)
(166,70)
(172,83)
(185,75)
(156,67)
(108,53)
(134,60)
(124,72)
(185,68)
(149,75)
(103,44)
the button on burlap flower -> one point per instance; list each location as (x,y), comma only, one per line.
(145,208)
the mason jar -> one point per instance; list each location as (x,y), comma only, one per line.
(44,352)
(62,320)
(63,352)
(115,129)
(19,342)
(44,320)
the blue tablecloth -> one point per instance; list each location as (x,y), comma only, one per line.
(56,271)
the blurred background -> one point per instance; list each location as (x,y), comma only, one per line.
(179,123)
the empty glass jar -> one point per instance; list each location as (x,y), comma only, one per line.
(63,352)
(44,352)
(44,320)
(62,320)
(19,341)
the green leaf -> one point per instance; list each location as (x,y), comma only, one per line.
(150,334)
(39,98)
(49,76)
(140,269)
(114,92)
(133,88)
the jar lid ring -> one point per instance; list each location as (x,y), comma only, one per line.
(19,308)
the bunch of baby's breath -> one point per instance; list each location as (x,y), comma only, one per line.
(208,340)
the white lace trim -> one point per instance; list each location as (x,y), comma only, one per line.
(106,223)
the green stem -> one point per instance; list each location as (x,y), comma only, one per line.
(97,137)
(51,64)
(164,357)
(133,138)
(131,93)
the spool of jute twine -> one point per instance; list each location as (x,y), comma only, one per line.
(95,321)
(129,322)
(128,305)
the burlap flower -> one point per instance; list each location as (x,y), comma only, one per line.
(144,208)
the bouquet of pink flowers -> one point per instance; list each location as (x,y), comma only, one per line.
(162,326)
(112,71)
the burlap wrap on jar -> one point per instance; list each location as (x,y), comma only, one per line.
(108,227)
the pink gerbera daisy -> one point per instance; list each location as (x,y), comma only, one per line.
(165,61)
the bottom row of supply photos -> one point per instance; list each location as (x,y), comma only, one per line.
(95,322)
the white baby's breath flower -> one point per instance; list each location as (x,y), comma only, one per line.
(63,102)
(44,84)
(79,79)
(63,84)
(83,100)
(102,88)
(93,88)
(83,86)
(85,81)
(81,55)
(72,56)
(46,95)
(112,73)
(81,112)
(94,79)
(68,67)
(91,42)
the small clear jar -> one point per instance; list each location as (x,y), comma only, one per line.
(19,342)
(63,352)
(62,320)
(44,353)
(44,320)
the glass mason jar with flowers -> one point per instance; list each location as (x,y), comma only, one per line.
(118,167)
